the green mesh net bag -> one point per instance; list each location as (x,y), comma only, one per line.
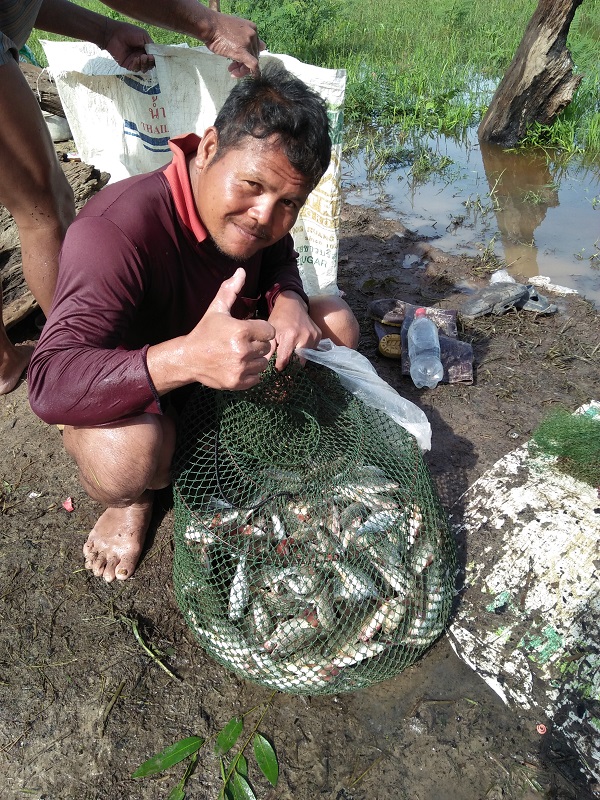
(312,554)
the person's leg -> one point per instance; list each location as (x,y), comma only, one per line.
(335,319)
(13,359)
(119,466)
(36,192)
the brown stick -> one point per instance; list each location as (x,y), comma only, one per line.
(539,83)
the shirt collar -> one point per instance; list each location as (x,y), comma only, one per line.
(179,180)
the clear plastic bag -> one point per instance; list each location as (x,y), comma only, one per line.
(358,376)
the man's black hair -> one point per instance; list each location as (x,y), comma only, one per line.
(278,104)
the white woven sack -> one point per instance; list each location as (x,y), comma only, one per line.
(121,123)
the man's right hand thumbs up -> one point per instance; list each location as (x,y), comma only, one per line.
(221,351)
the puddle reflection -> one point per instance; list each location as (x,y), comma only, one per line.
(540,218)
(522,190)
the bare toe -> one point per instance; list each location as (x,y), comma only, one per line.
(114,546)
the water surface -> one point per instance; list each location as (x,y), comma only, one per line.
(539,218)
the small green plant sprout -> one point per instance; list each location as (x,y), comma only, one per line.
(542,195)
(488,260)
(426,163)
(233,765)
(593,257)
(480,207)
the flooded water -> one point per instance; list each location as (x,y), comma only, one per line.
(539,218)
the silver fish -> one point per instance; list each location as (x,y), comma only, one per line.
(357,584)
(311,674)
(260,620)
(324,609)
(302,581)
(291,635)
(352,653)
(415,524)
(239,593)
(379,522)
(397,577)
(198,533)
(385,619)
(278,527)
(420,556)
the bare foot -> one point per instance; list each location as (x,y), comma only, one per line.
(12,365)
(115,543)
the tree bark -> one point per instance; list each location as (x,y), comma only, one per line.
(43,88)
(539,83)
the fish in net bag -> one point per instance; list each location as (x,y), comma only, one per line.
(312,553)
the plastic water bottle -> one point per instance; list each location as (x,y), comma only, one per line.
(424,351)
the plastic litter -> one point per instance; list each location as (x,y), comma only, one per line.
(58,127)
(504,293)
(358,376)
(424,351)
(389,316)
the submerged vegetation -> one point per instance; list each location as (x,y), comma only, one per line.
(422,67)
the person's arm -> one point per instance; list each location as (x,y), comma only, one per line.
(224,35)
(126,43)
(232,37)
(79,373)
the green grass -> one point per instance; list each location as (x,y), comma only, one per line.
(422,67)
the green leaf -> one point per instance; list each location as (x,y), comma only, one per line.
(178,792)
(266,758)
(171,755)
(229,735)
(242,766)
(240,788)
(223,768)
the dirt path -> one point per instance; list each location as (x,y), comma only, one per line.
(81,703)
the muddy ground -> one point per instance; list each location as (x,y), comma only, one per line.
(82,704)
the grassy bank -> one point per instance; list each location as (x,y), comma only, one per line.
(429,66)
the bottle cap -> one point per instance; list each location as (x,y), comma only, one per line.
(421,312)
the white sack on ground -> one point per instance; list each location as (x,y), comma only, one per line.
(528,620)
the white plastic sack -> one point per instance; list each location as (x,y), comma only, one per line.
(122,121)
(358,376)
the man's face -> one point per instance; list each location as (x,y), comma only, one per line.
(249,197)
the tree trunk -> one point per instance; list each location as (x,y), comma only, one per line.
(539,82)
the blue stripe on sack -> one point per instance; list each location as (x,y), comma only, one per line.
(139,87)
(152,143)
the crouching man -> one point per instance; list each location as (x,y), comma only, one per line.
(178,276)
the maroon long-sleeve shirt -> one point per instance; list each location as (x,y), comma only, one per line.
(137,268)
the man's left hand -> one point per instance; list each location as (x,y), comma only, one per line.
(293,327)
